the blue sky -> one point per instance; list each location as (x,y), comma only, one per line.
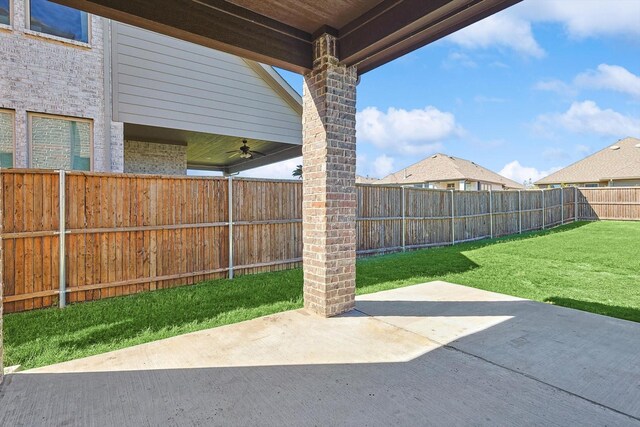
(525,92)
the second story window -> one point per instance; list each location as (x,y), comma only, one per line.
(5,12)
(56,20)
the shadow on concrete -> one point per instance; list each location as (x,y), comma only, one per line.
(593,356)
(119,320)
(543,365)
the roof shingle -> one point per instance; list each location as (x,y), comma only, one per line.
(609,163)
(441,167)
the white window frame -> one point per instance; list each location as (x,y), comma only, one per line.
(12,113)
(31,115)
(27,23)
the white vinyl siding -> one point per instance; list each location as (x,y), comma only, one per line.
(165,82)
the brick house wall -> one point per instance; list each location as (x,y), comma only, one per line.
(154,158)
(45,74)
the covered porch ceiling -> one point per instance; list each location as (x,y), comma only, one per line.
(206,151)
(280,32)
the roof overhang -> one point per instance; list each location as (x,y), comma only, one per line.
(211,152)
(280,32)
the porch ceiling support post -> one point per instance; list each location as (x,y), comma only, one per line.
(329,173)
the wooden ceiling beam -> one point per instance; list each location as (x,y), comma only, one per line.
(389,30)
(397,27)
(213,23)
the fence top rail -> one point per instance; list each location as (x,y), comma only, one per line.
(142,176)
(609,188)
(29,171)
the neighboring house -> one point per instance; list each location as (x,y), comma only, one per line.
(615,166)
(82,92)
(365,180)
(450,173)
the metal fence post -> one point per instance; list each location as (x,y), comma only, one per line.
(561,206)
(404,220)
(543,209)
(491,214)
(453,223)
(62,290)
(575,203)
(230,197)
(519,212)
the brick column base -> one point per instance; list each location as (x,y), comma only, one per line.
(329,171)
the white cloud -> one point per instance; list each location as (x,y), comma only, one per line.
(556,86)
(456,59)
(584,18)
(519,173)
(382,166)
(587,117)
(502,30)
(580,18)
(280,170)
(419,131)
(611,77)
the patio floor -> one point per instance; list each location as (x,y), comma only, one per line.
(435,353)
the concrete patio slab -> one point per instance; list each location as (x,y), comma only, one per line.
(429,354)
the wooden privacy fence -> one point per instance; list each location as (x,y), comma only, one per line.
(609,203)
(91,235)
(397,218)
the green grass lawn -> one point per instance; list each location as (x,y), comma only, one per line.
(587,266)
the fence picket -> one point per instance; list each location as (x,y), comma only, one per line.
(117,234)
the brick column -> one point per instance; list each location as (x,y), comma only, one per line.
(329,168)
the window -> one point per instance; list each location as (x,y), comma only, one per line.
(60,143)
(5,12)
(56,20)
(6,139)
(451,186)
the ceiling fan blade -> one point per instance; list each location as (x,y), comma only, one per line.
(235,153)
(258,153)
(232,151)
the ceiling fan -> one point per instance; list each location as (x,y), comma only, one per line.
(245,152)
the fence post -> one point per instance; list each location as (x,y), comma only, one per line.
(519,212)
(490,214)
(62,237)
(453,223)
(404,220)
(561,206)
(1,273)
(230,197)
(575,203)
(543,210)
